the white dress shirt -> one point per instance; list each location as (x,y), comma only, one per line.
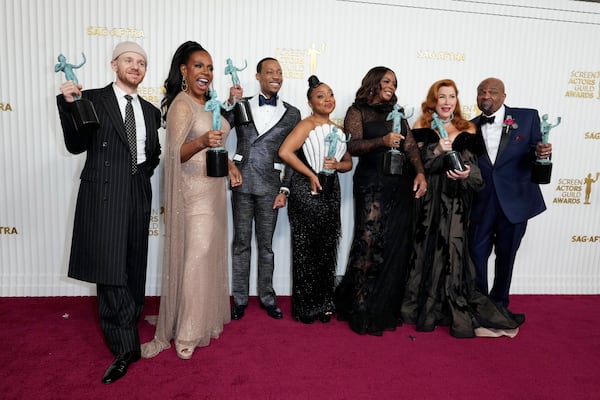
(140,124)
(266,117)
(492,133)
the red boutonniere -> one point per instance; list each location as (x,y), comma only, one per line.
(509,123)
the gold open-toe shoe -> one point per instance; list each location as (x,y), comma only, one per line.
(184,352)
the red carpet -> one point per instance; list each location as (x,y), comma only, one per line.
(52,349)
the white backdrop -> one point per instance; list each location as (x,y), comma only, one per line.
(546,52)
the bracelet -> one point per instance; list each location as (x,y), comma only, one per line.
(284,191)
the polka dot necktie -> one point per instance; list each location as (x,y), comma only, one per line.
(131,133)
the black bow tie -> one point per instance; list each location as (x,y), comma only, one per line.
(486,120)
(271,101)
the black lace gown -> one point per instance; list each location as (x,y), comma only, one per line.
(370,293)
(440,288)
(315,230)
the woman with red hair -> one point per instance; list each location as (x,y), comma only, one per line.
(440,289)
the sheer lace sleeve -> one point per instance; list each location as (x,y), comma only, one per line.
(353,125)
(412,150)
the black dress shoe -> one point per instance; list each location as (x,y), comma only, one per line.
(119,366)
(237,311)
(272,311)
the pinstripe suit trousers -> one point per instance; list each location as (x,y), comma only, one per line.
(120,307)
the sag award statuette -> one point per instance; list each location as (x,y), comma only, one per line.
(542,167)
(216,157)
(451,159)
(324,141)
(82,110)
(394,159)
(241,110)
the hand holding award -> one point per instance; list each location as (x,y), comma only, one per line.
(542,166)
(452,160)
(82,110)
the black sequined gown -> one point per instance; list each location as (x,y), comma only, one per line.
(315,229)
(370,292)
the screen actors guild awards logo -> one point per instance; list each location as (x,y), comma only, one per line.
(571,191)
(293,61)
(156,223)
(584,84)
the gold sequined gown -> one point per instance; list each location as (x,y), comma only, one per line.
(194,304)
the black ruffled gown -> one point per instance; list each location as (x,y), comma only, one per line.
(440,289)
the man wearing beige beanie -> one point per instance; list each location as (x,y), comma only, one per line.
(112,214)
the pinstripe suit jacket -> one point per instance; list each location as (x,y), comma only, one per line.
(99,246)
(256,156)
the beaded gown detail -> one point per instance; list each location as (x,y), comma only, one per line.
(315,230)
(194,304)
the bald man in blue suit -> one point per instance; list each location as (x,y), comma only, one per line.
(509,199)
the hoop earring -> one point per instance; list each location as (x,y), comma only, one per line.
(184,85)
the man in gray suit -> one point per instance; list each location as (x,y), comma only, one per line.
(262,191)
(110,232)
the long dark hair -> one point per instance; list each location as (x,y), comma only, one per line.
(172,85)
(370,86)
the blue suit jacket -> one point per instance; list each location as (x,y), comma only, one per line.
(509,178)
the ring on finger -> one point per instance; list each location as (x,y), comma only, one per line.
(396,142)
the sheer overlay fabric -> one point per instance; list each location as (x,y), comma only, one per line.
(194,303)
(440,289)
(370,292)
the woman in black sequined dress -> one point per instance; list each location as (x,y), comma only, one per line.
(370,293)
(313,209)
